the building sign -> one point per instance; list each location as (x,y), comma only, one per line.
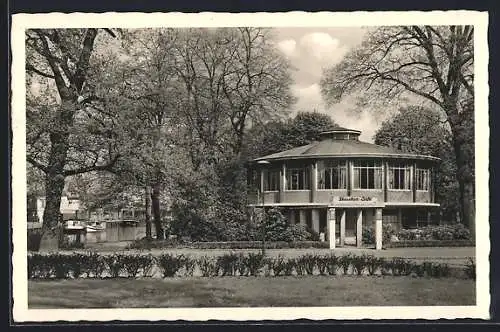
(355,201)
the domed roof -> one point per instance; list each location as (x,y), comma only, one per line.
(342,142)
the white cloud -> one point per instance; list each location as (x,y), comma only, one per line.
(288,47)
(323,47)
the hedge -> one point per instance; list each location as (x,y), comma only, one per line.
(430,243)
(167,265)
(154,244)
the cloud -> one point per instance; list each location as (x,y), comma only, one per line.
(323,47)
(288,47)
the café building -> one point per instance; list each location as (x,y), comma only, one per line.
(339,184)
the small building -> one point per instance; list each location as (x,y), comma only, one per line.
(339,184)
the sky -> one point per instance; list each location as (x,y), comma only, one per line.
(309,51)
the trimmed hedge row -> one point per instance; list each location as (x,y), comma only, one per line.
(154,244)
(94,265)
(430,243)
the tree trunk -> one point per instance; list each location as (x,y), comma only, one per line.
(54,178)
(155,198)
(148,213)
(462,127)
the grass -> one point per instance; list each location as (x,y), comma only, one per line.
(250,292)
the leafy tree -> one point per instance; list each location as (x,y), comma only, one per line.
(421,130)
(276,136)
(60,117)
(430,63)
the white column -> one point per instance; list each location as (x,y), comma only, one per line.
(378,228)
(359,229)
(315,220)
(342,228)
(302,217)
(331,227)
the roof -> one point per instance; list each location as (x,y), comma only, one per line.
(328,148)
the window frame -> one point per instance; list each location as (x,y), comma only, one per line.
(306,179)
(407,176)
(268,175)
(426,178)
(329,166)
(376,166)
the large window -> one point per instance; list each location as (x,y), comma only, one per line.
(297,179)
(271,180)
(367,175)
(332,175)
(423,179)
(399,176)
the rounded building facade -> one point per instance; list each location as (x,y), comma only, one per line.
(339,184)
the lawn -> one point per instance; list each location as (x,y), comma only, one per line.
(250,292)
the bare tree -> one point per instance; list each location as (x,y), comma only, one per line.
(434,63)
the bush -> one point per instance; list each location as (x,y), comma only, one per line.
(332,264)
(306,263)
(373,264)
(359,264)
(114,264)
(368,234)
(169,264)
(133,264)
(253,263)
(229,263)
(401,266)
(208,266)
(470,269)
(278,265)
(34,238)
(189,265)
(345,262)
(94,264)
(440,233)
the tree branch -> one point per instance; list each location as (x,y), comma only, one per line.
(30,67)
(37,164)
(105,167)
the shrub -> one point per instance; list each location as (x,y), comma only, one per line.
(34,238)
(114,264)
(386,266)
(373,264)
(208,266)
(169,264)
(441,270)
(359,264)
(470,269)
(332,264)
(439,233)
(189,265)
(40,266)
(368,234)
(277,264)
(94,264)
(228,264)
(401,266)
(253,263)
(298,232)
(322,264)
(132,264)
(345,262)
(289,267)
(306,264)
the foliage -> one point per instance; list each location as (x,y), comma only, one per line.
(170,264)
(470,268)
(368,234)
(276,136)
(91,264)
(208,266)
(33,239)
(432,64)
(421,130)
(443,232)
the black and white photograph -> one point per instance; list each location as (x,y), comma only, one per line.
(250,166)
